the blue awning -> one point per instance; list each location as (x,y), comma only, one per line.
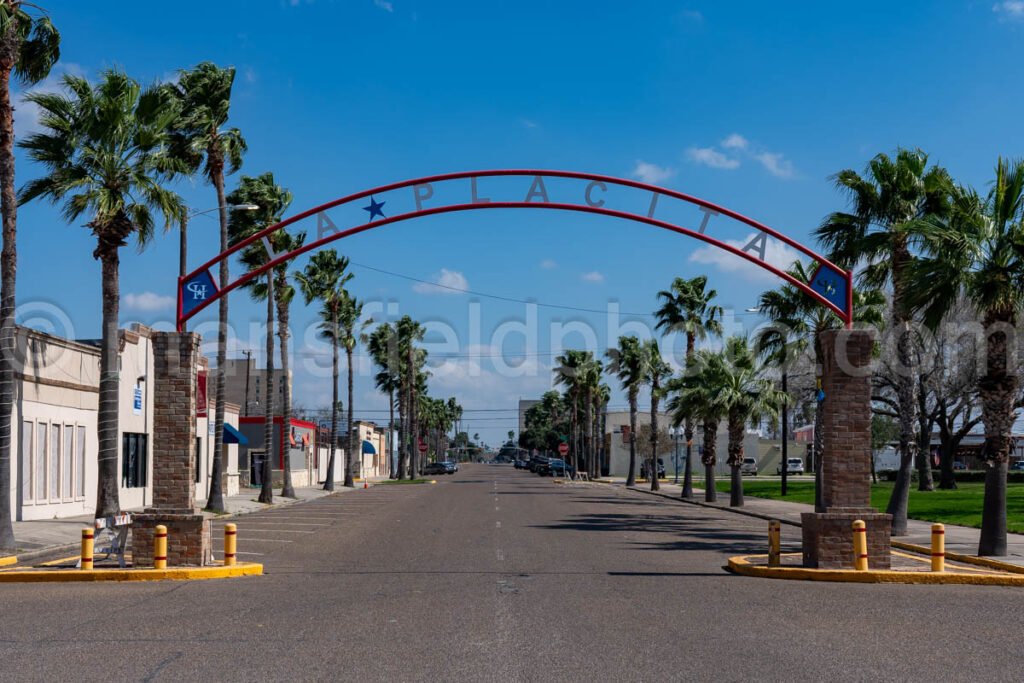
(232,435)
(368,448)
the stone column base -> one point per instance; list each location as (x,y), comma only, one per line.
(188,538)
(828,538)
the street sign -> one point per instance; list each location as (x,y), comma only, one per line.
(563,448)
(423,448)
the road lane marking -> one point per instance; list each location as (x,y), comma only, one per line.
(498,524)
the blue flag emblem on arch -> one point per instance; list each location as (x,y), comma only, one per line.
(831,284)
(196,290)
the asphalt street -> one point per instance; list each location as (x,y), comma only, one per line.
(494,574)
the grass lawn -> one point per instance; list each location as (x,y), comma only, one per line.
(962,506)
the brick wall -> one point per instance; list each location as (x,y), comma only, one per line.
(828,539)
(188,539)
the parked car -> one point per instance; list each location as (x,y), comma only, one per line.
(1017,466)
(450,466)
(536,461)
(957,465)
(749,466)
(661,469)
(794,466)
(521,464)
(435,468)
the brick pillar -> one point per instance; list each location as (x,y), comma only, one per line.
(176,358)
(846,463)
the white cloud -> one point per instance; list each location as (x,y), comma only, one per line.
(384,5)
(250,75)
(548,264)
(592,276)
(652,174)
(708,156)
(446,282)
(776,253)
(26,114)
(529,123)
(776,164)
(735,141)
(1010,10)
(148,302)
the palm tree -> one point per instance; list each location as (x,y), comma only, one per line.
(323,280)
(273,200)
(200,138)
(29,47)
(696,393)
(747,396)
(570,371)
(626,362)
(892,194)
(382,345)
(656,372)
(284,293)
(104,148)
(686,308)
(349,328)
(975,250)
(797,324)
(409,332)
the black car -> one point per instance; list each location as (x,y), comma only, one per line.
(661,469)
(519,464)
(536,462)
(555,467)
(435,468)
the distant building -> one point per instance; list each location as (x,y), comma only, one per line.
(524,405)
(242,372)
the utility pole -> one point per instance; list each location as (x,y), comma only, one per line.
(248,365)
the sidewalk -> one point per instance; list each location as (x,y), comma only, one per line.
(50,535)
(959,539)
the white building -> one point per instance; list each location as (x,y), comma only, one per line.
(54,427)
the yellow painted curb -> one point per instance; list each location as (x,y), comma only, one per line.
(967,559)
(8,561)
(742,566)
(170,574)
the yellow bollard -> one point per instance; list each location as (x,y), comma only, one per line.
(938,548)
(860,546)
(160,547)
(230,544)
(774,543)
(87,547)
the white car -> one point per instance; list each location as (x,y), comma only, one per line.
(794,466)
(749,466)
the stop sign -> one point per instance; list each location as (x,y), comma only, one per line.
(423,447)
(563,448)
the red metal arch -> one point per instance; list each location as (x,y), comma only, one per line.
(845,315)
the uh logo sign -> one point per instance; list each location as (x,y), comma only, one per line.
(196,290)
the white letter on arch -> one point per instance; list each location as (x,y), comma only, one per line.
(537,189)
(757,244)
(427,193)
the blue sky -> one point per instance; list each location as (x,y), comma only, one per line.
(749,105)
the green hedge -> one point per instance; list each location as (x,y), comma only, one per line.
(960,475)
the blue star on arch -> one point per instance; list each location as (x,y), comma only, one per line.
(375,208)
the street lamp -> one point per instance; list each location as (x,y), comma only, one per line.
(183,245)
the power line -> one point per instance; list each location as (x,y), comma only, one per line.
(499,297)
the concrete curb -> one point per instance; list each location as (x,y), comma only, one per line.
(169,574)
(741,565)
(966,559)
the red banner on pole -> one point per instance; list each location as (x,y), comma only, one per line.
(201,394)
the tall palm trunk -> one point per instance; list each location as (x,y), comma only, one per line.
(588,431)
(403,436)
(631,476)
(392,465)
(329,479)
(413,428)
(107,502)
(735,460)
(215,498)
(655,484)
(267,476)
(906,386)
(709,459)
(353,436)
(687,492)
(997,390)
(287,488)
(8,275)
